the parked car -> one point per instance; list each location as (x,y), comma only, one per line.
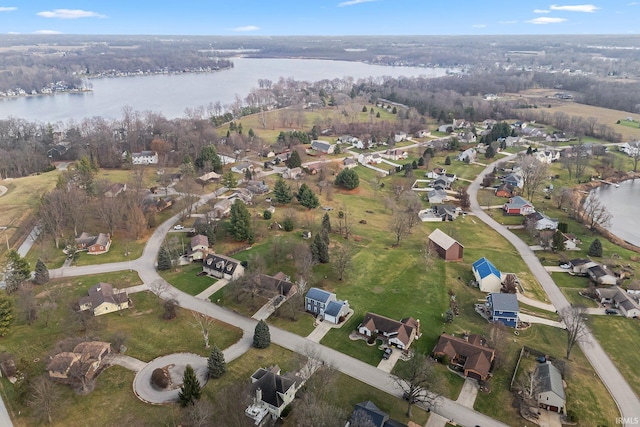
(387,353)
(178,227)
(564,265)
(611,311)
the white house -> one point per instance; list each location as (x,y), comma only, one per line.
(144,158)
(620,299)
(400,136)
(242,167)
(322,146)
(468,155)
(349,163)
(294,173)
(222,267)
(399,334)
(437,196)
(489,278)
(549,389)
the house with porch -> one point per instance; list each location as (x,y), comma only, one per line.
(503,308)
(222,267)
(324,305)
(103,298)
(94,245)
(489,278)
(518,206)
(549,388)
(620,299)
(469,354)
(446,246)
(271,392)
(399,334)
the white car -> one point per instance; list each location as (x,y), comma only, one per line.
(178,227)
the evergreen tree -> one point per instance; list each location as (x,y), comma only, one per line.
(490,153)
(320,249)
(282,192)
(17,271)
(164,259)
(414,165)
(209,154)
(191,388)
(216,366)
(378,115)
(307,197)
(394,111)
(326,223)
(240,222)
(447,160)
(42,273)
(449,316)
(348,178)
(6,313)
(294,160)
(288,224)
(421,161)
(229,180)
(248,175)
(261,335)
(596,248)
(314,132)
(364,108)
(557,243)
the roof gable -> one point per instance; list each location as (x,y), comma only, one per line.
(443,240)
(485,268)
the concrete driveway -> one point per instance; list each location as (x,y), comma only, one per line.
(540,320)
(320,331)
(469,392)
(387,365)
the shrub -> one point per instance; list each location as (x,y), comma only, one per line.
(595,250)
(261,335)
(266,215)
(348,179)
(288,224)
(159,378)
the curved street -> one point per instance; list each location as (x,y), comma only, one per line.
(627,401)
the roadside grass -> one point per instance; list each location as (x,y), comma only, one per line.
(566,280)
(120,245)
(186,278)
(586,397)
(45,249)
(610,331)
(574,297)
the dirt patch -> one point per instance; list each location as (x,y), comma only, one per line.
(377,290)
(142,313)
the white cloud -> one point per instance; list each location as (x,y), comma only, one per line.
(13,33)
(541,11)
(69,14)
(7,8)
(633,3)
(246,28)
(352,2)
(507,22)
(543,20)
(587,8)
(47,32)
(479,26)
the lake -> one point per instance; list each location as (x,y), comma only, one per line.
(623,203)
(172,94)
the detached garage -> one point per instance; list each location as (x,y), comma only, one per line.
(447,247)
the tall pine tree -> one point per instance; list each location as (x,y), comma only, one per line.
(307,197)
(282,192)
(164,259)
(320,249)
(240,222)
(42,273)
(596,248)
(191,389)
(326,223)
(6,313)
(261,335)
(294,160)
(216,366)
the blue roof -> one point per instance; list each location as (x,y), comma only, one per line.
(333,308)
(484,268)
(318,295)
(504,302)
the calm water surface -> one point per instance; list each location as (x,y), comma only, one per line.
(172,94)
(624,204)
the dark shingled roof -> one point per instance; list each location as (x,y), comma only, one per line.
(365,412)
(271,384)
(478,356)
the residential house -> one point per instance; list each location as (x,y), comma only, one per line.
(505,190)
(295,173)
(601,275)
(198,248)
(518,206)
(257,187)
(222,209)
(469,155)
(208,177)
(467,137)
(514,141)
(365,158)
(437,196)
(549,387)
(540,221)
(222,267)
(513,179)
(571,242)
(547,156)
(94,245)
(395,154)
(272,393)
(445,212)
(631,149)
(83,362)
(623,301)
(103,298)
(470,354)
(489,278)
(242,167)
(115,189)
(447,128)
(326,306)
(144,158)
(397,333)
(376,158)
(435,173)
(280,283)
(580,266)
(322,146)
(503,308)
(399,137)
(349,163)
(446,246)
(367,413)
(422,133)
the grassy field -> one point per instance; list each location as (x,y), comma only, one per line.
(187,280)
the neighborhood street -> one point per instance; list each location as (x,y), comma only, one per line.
(627,401)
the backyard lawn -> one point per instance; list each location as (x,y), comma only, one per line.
(186,278)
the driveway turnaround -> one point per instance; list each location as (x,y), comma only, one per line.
(627,401)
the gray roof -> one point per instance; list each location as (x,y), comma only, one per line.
(319,294)
(333,308)
(441,239)
(504,302)
(272,385)
(549,379)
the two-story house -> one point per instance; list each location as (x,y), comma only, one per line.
(503,308)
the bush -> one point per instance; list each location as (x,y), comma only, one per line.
(348,179)
(288,224)
(261,335)
(447,160)
(595,250)
(170,309)
(266,215)
(159,378)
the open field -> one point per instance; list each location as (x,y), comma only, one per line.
(186,278)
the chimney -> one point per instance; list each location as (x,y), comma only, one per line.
(258,394)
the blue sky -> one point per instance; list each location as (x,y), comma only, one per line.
(320,17)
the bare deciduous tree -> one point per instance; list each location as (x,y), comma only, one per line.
(44,399)
(400,227)
(573,318)
(596,212)
(341,261)
(205,323)
(533,173)
(418,381)
(200,414)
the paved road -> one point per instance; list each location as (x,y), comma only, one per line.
(627,401)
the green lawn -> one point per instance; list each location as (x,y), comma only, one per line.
(119,247)
(186,278)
